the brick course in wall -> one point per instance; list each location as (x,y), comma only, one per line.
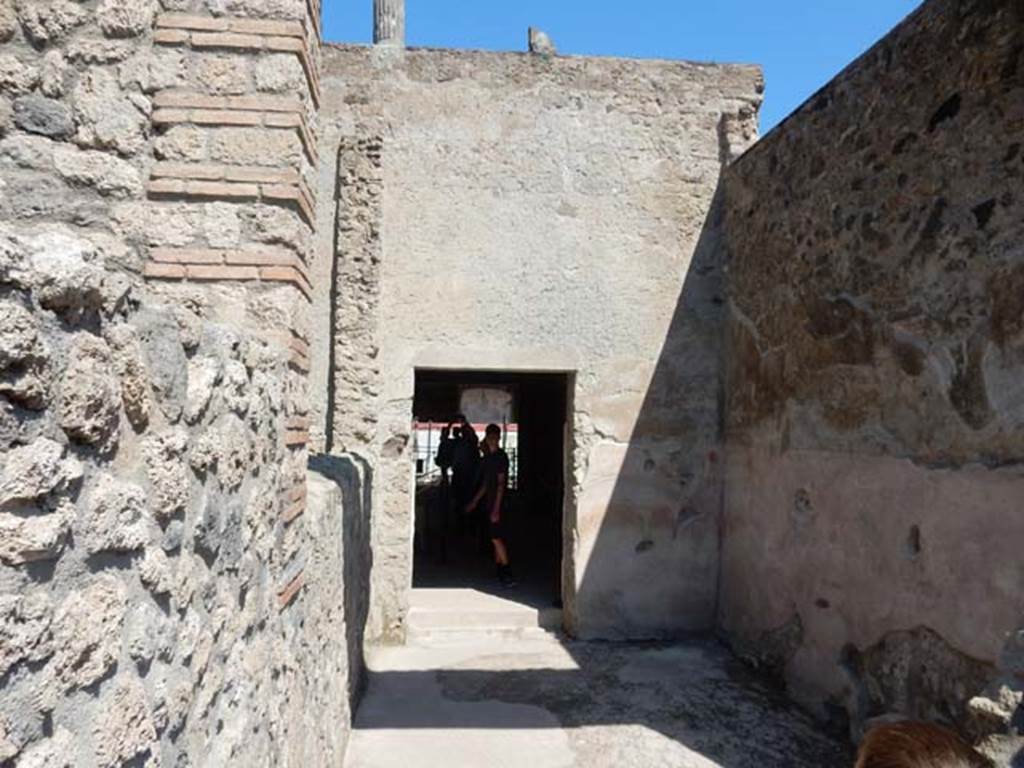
(195,179)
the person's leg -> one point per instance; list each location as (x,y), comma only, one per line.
(501,559)
(500,552)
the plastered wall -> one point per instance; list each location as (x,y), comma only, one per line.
(518,212)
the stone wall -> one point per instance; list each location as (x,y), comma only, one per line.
(875,388)
(523,212)
(164,600)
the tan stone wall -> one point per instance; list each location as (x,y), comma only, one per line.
(875,393)
(507,211)
(164,600)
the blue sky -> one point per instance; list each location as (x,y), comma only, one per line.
(800,43)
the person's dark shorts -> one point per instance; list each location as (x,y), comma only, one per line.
(498,530)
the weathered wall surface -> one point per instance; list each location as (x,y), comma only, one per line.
(163,598)
(875,385)
(517,212)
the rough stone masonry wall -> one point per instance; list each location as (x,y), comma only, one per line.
(519,212)
(163,598)
(875,399)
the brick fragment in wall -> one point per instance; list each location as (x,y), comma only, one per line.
(293,511)
(296,438)
(207,181)
(231,173)
(206,265)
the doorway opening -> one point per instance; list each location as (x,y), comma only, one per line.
(452,548)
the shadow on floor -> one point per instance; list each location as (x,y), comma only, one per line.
(616,704)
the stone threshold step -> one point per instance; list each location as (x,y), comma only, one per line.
(469,609)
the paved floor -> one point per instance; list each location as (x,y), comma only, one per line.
(538,703)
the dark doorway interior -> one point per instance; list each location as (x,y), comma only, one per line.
(451,547)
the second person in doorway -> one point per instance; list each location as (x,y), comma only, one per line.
(493,487)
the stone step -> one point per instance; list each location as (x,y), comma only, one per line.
(456,637)
(453,615)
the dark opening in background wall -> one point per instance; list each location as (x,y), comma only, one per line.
(451,547)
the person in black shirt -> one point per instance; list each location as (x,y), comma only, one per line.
(465,462)
(492,492)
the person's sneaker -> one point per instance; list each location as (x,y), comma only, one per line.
(507,579)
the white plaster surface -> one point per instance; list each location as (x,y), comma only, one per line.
(552,214)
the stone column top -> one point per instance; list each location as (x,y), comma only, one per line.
(389,22)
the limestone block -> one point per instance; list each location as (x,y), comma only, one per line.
(33,538)
(13,261)
(255,146)
(221,225)
(266,9)
(225,448)
(278,226)
(90,397)
(17,77)
(188,635)
(280,73)
(25,632)
(166,364)
(43,116)
(35,470)
(125,728)
(23,151)
(223,75)
(99,51)
(47,21)
(58,751)
(53,73)
(179,701)
(125,18)
(27,385)
(235,389)
(155,571)
(190,326)
(109,175)
(87,633)
(107,119)
(204,373)
(116,518)
(147,633)
(64,270)
(8,749)
(167,472)
(165,225)
(174,536)
(8,20)
(209,527)
(19,335)
(152,70)
(130,365)
(6,116)
(994,712)
(182,142)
